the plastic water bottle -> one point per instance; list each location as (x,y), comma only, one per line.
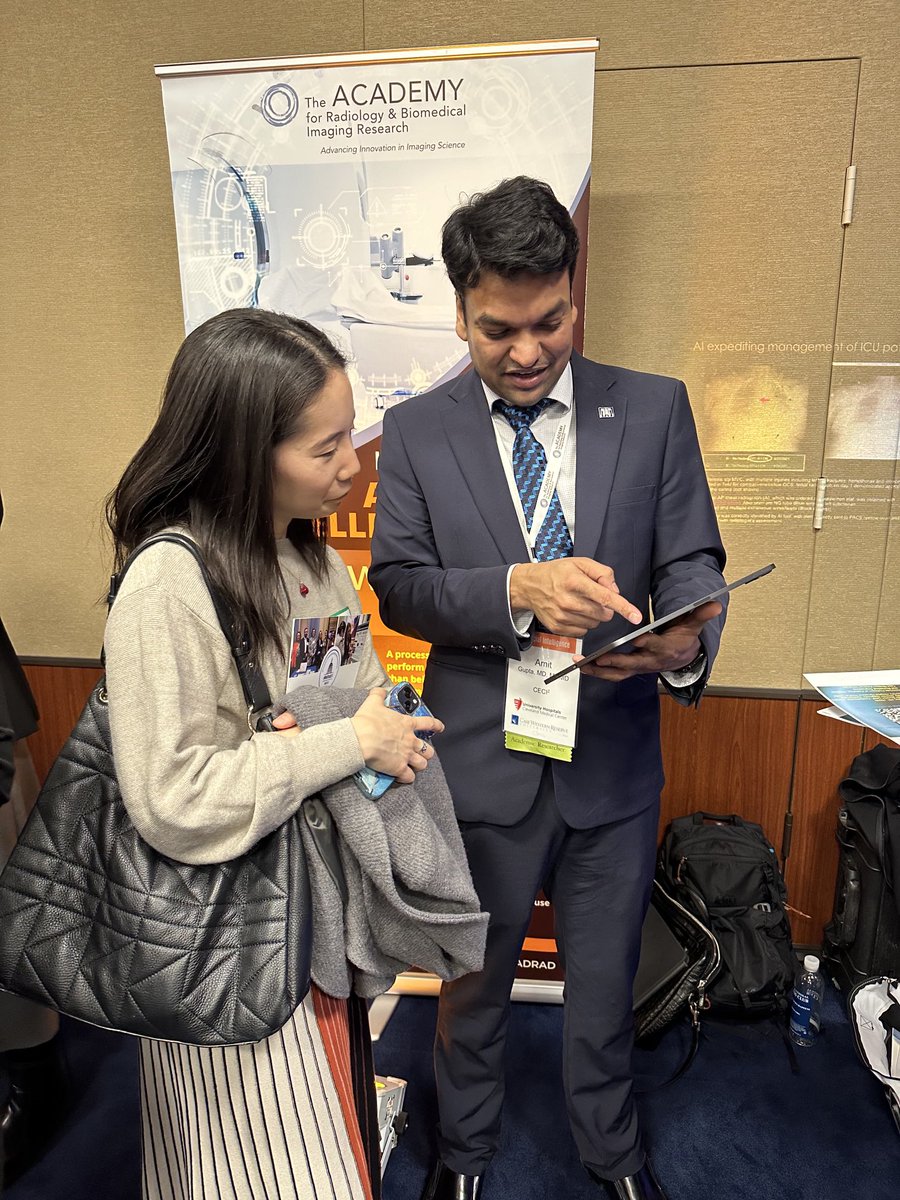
(806,1003)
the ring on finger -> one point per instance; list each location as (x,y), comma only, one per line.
(423,746)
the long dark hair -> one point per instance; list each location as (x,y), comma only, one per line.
(237,387)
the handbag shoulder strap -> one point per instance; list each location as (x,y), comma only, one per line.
(256,693)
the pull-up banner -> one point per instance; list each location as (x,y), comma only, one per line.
(318,187)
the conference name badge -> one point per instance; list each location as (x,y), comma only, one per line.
(540,719)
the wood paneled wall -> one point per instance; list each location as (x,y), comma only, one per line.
(60,693)
(761,758)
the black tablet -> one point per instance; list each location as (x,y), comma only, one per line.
(661,621)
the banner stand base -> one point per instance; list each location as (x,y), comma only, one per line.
(532,991)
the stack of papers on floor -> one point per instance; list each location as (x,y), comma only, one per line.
(389,1093)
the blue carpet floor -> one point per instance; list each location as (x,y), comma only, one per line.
(739,1124)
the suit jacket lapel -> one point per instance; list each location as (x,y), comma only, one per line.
(596,449)
(470,435)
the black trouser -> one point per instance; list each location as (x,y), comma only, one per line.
(599,882)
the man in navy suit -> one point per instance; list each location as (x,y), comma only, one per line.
(463,557)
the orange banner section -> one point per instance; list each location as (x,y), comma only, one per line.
(540,945)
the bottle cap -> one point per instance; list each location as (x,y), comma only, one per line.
(810,963)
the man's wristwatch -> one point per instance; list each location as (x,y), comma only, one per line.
(685,676)
(696,664)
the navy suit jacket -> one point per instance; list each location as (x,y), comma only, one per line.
(446,531)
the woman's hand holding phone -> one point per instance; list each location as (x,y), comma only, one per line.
(392,742)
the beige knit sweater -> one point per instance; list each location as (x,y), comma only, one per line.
(196,785)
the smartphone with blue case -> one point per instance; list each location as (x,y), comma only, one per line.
(403,698)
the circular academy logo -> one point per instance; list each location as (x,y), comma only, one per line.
(279,104)
(331,664)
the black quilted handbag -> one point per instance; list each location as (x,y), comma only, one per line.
(97,924)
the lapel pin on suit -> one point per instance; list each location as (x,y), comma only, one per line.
(606,410)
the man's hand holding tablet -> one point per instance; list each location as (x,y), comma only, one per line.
(668,643)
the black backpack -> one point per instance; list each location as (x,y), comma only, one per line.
(724,869)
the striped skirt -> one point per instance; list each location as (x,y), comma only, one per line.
(274,1120)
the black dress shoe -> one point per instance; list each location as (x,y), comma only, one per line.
(642,1186)
(444,1184)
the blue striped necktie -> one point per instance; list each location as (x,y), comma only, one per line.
(529,464)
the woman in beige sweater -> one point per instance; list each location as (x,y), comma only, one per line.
(250,454)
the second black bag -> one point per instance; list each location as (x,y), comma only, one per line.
(724,869)
(679,957)
(863,937)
